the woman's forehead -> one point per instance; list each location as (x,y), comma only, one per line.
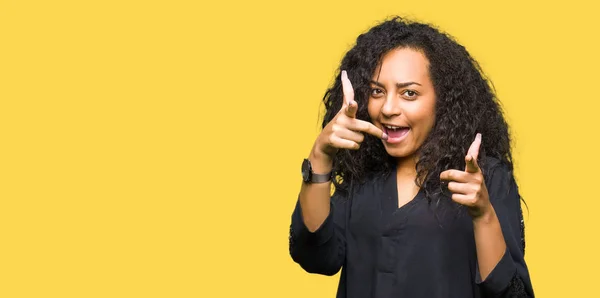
(401,65)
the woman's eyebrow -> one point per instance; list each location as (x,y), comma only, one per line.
(398,85)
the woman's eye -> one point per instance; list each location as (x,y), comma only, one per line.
(410,94)
(376,92)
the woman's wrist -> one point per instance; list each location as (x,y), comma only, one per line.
(321,162)
(485,217)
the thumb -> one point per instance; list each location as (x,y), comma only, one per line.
(350,107)
(474,149)
(472,166)
(472,154)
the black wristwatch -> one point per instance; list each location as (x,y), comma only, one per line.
(308,176)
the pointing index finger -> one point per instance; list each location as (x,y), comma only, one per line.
(368,127)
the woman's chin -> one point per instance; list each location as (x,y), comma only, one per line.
(395,153)
(398,153)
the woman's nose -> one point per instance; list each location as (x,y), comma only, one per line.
(392,106)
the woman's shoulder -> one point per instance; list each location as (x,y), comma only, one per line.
(490,164)
(498,175)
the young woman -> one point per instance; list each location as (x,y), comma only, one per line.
(425,202)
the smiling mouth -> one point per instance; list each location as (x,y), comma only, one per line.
(395,133)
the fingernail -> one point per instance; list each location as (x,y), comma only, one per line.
(384,136)
(344,74)
(478,136)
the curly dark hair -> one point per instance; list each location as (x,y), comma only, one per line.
(465,105)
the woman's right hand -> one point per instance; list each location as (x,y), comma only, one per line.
(344,131)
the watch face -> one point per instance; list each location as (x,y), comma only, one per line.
(306,170)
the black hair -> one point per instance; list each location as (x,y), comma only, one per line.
(466,104)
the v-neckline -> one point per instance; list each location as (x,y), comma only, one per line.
(396,194)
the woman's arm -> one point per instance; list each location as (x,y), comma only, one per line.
(314,197)
(508,275)
(317,233)
(344,131)
(489,242)
(317,240)
(494,205)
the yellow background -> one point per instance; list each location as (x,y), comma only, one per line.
(153,148)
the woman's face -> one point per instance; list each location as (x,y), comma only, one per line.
(402,101)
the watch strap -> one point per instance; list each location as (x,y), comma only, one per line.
(320,178)
(311,177)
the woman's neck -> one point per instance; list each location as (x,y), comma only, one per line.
(406,167)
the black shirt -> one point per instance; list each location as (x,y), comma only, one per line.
(421,249)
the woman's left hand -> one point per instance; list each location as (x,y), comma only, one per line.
(468,187)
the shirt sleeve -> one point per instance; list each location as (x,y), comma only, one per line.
(322,251)
(510,277)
